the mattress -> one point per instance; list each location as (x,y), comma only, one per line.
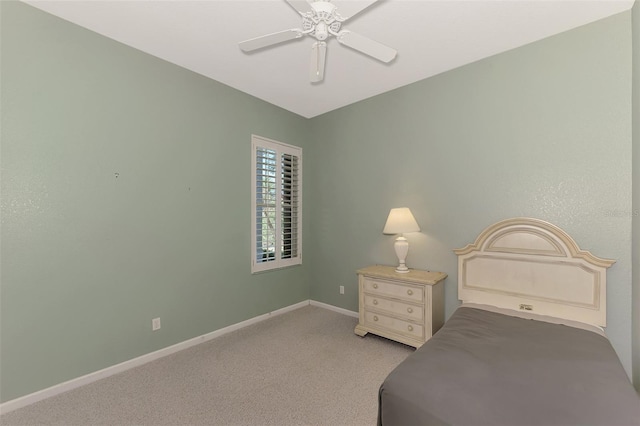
(488,368)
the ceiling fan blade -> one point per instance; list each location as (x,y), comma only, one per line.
(318,56)
(269,40)
(367,46)
(348,8)
(301,6)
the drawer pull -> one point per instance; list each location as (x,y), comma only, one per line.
(410,328)
(375,285)
(410,310)
(409,292)
(375,318)
(375,302)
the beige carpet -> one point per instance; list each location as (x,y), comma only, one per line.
(306,367)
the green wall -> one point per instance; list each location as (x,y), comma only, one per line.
(125,197)
(125,186)
(541,131)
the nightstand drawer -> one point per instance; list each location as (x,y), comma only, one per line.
(407,310)
(394,324)
(392,289)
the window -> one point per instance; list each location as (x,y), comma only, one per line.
(276,194)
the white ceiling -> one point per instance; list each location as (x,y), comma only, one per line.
(431,36)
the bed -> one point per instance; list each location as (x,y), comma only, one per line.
(526,346)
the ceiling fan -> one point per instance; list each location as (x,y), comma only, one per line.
(322,19)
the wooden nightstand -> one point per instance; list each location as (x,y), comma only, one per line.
(407,308)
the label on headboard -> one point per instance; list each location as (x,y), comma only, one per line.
(524,307)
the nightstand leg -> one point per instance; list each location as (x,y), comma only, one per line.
(360,331)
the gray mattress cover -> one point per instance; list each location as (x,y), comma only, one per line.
(486,368)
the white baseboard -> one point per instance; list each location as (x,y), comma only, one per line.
(23,401)
(334,308)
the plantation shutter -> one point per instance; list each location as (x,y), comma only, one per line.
(277,212)
(290,204)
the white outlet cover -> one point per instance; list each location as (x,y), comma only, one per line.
(155,324)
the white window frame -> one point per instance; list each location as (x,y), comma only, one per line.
(276,261)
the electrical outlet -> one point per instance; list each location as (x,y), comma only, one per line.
(341,289)
(155,324)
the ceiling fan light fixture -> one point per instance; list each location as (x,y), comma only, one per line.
(322,31)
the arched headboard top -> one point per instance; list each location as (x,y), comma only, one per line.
(530,264)
(526,235)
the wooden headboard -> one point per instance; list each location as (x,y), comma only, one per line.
(532,265)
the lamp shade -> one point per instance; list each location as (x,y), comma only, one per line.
(400,220)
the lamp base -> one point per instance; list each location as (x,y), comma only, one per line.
(401,270)
(402,247)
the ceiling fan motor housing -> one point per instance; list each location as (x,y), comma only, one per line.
(321,21)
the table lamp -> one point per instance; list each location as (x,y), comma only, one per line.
(401,221)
